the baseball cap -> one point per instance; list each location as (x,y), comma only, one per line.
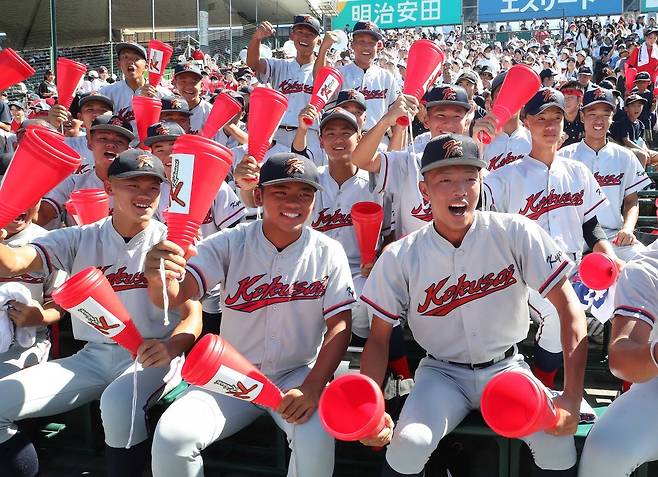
(469,76)
(139,49)
(649,30)
(367,27)
(585,70)
(93,74)
(339,113)
(187,67)
(633,98)
(307,20)
(134,163)
(16,104)
(175,105)
(547,73)
(162,131)
(109,122)
(450,150)
(598,96)
(642,76)
(87,98)
(497,82)
(289,167)
(447,94)
(351,96)
(544,99)
(607,84)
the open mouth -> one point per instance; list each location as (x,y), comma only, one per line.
(303,43)
(21,218)
(291,215)
(110,156)
(457,210)
(142,205)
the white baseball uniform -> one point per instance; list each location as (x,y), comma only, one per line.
(122,96)
(465,304)
(623,438)
(505,149)
(275,304)
(79,143)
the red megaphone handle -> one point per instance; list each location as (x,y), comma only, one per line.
(308,121)
(484,138)
(403,121)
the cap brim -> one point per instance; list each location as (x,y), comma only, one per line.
(431,104)
(635,100)
(544,107)
(111,127)
(189,71)
(313,184)
(128,175)
(152,140)
(462,161)
(101,99)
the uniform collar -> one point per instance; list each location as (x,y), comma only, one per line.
(293,248)
(443,242)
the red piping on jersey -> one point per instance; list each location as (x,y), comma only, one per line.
(552,277)
(339,305)
(230,216)
(633,309)
(380,310)
(45,254)
(199,273)
(595,206)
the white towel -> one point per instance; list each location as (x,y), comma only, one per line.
(25,337)
(643,57)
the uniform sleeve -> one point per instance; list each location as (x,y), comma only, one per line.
(386,292)
(631,297)
(392,171)
(339,295)
(53,281)
(210,264)
(594,200)
(493,193)
(636,177)
(270,70)
(228,209)
(58,249)
(60,194)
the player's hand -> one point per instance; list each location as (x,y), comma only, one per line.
(149,91)
(154,354)
(299,404)
(309,112)
(57,115)
(568,410)
(405,105)
(624,237)
(24,315)
(384,436)
(3,234)
(264,30)
(174,262)
(366,269)
(330,37)
(488,124)
(247,173)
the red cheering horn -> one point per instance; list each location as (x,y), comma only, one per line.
(89,297)
(326,83)
(69,74)
(90,205)
(351,408)
(70,209)
(14,68)
(520,85)
(367,218)
(629,73)
(516,405)
(266,109)
(41,161)
(147,112)
(598,271)
(424,64)
(199,166)
(223,110)
(216,366)
(159,54)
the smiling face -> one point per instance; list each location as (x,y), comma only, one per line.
(305,39)
(446,119)
(339,139)
(188,86)
(105,146)
(546,127)
(162,150)
(597,120)
(365,48)
(286,206)
(135,199)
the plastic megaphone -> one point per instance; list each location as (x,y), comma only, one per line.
(629,73)
(519,86)
(89,297)
(70,209)
(90,205)
(69,75)
(266,110)
(326,83)
(41,161)
(223,110)
(159,54)
(14,68)
(516,405)
(147,112)
(367,218)
(598,271)
(424,63)
(352,408)
(216,366)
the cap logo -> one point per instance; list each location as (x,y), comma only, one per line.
(144,161)
(453,148)
(599,93)
(294,165)
(162,130)
(351,93)
(176,104)
(368,25)
(116,121)
(449,94)
(548,96)
(187,66)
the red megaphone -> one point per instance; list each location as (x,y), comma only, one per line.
(159,54)
(199,166)
(147,112)
(516,405)
(266,109)
(89,297)
(90,205)
(41,161)
(424,64)
(69,74)
(629,73)
(351,408)
(598,271)
(70,209)
(519,86)
(326,83)
(367,218)
(223,110)
(14,68)
(215,365)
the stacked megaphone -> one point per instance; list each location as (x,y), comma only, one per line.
(159,54)
(69,76)
(223,110)
(266,110)
(14,68)
(367,219)
(88,205)
(147,111)
(327,82)
(598,271)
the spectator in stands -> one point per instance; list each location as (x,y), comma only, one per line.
(5,116)
(642,82)
(627,130)
(573,97)
(47,88)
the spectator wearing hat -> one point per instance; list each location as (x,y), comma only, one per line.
(645,58)
(469,81)
(547,77)
(573,92)
(47,88)
(648,116)
(17,110)
(585,77)
(571,72)
(627,130)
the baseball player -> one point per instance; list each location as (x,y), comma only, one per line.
(292,77)
(177,110)
(102,369)
(563,197)
(462,283)
(285,286)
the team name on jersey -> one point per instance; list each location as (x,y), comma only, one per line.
(208,218)
(291,87)
(538,204)
(373,93)
(82,169)
(423,211)
(609,180)
(121,281)
(25,278)
(326,222)
(498,161)
(439,301)
(251,296)
(126,114)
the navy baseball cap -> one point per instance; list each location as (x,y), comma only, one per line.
(547,73)
(139,49)
(134,163)
(633,98)
(187,67)
(289,167)
(497,82)
(544,99)
(88,98)
(369,28)
(163,131)
(447,95)
(585,70)
(598,96)
(450,150)
(109,122)
(351,96)
(308,21)
(642,76)
(339,113)
(175,105)
(469,76)
(607,84)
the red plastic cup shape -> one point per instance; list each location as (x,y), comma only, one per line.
(424,63)
(598,271)
(630,73)
(159,54)
(70,209)
(326,83)
(199,166)
(519,86)
(147,112)
(351,408)
(367,218)
(91,205)
(223,110)
(69,74)
(216,366)
(516,405)
(89,297)
(14,68)
(266,109)
(40,162)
